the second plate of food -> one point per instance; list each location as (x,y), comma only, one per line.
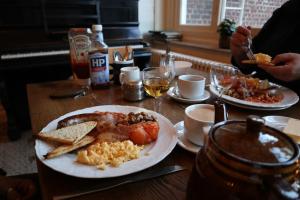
(289,98)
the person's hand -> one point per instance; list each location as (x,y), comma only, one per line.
(287,67)
(17,189)
(239,40)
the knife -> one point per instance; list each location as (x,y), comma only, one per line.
(149,174)
(68,93)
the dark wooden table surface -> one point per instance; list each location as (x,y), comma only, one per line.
(44,109)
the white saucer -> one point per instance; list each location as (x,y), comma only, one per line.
(278,122)
(183,141)
(174,96)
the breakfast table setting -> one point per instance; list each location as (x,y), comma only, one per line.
(166,167)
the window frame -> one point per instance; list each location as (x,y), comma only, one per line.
(195,33)
(224,8)
(191,33)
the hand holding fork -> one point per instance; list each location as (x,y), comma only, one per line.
(249,51)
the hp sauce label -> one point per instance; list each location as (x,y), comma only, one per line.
(99,67)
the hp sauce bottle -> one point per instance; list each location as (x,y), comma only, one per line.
(98,59)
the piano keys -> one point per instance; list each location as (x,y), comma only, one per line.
(34,54)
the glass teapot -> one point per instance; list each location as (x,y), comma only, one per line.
(245,160)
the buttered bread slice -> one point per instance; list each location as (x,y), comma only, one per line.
(293,129)
(69,134)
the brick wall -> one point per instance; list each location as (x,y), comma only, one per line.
(256,12)
(199,12)
(234,3)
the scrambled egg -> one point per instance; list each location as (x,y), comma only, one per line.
(263,58)
(103,153)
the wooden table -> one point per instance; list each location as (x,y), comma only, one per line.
(43,110)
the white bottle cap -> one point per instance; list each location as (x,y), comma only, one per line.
(97,27)
(88,30)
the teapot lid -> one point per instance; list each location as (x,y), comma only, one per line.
(253,142)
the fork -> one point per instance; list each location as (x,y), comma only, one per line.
(249,51)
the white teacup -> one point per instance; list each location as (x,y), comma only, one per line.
(129,74)
(198,120)
(191,86)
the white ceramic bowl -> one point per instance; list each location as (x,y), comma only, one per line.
(181,67)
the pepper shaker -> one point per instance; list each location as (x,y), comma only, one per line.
(133,91)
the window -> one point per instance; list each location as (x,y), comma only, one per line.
(195,12)
(198,19)
(233,9)
(252,13)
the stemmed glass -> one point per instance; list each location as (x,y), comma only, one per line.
(167,62)
(156,82)
(222,80)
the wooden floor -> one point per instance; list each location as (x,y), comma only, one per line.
(3,125)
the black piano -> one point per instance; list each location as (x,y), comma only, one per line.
(34,45)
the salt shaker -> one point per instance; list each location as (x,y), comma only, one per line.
(133,91)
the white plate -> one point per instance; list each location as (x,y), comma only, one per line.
(183,141)
(150,155)
(254,108)
(289,98)
(174,96)
(278,122)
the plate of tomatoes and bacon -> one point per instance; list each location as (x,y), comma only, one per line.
(148,129)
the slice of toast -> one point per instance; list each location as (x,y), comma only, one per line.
(249,62)
(68,148)
(254,62)
(69,134)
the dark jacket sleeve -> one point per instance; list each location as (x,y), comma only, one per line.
(280,34)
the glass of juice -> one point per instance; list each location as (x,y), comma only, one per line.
(156,82)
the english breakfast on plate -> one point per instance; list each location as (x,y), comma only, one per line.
(106,137)
(245,91)
(118,140)
(251,89)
